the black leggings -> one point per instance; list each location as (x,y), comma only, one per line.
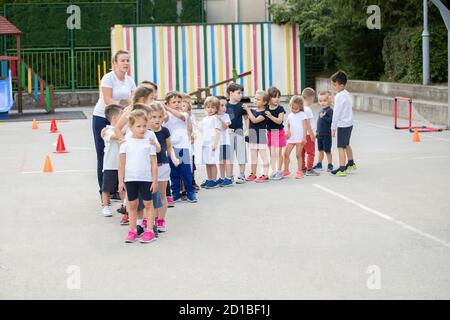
(168,191)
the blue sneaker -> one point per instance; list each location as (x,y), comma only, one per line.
(211,185)
(219,181)
(227,183)
(318,166)
(176,198)
(330,167)
(191,197)
(204,183)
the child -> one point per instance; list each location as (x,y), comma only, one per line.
(309,149)
(225,150)
(323,132)
(157,114)
(236,128)
(257,139)
(192,126)
(343,123)
(276,139)
(138,172)
(298,127)
(111,158)
(211,127)
(177,123)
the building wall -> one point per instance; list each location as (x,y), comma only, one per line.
(218,11)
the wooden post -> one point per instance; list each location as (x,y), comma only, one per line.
(19,76)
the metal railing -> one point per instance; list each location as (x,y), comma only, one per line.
(55,65)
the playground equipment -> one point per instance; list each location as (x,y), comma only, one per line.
(409,127)
(205,57)
(22,75)
(6,97)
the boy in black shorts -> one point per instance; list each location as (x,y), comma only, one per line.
(343,123)
(323,131)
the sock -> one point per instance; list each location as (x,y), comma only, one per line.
(342,168)
(139,222)
(350,163)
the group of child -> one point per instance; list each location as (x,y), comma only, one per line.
(149,147)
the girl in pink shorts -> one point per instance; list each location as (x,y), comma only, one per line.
(276,139)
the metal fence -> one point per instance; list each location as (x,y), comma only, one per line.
(67,57)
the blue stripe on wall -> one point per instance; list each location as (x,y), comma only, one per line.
(213,61)
(155,71)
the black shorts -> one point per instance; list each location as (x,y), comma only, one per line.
(343,136)
(156,198)
(138,188)
(225,152)
(110,181)
(324,143)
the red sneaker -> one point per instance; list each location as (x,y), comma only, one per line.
(251,177)
(125,220)
(263,178)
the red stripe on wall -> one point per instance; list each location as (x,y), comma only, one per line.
(227,58)
(255,59)
(294,57)
(127,34)
(169,54)
(197,45)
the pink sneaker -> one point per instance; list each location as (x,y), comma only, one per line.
(299,175)
(286,173)
(170,202)
(251,177)
(125,220)
(144,223)
(262,178)
(131,237)
(148,237)
(161,225)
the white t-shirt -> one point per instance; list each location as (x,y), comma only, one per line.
(224,136)
(310,116)
(111,157)
(209,126)
(149,134)
(342,111)
(137,164)
(295,121)
(120,90)
(178,131)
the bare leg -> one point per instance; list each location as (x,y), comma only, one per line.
(132,213)
(163,210)
(265,159)
(213,170)
(321,156)
(349,152)
(222,169)
(105,199)
(280,159)
(341,157)
(149,214)
(254,160)
(298,154)
(329,158)
(287,154)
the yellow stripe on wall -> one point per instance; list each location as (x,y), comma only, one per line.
(288,59)
(29,81)
(162,92)
(248,58)
(119,37)
(191,60)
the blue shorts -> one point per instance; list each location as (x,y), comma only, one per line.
(343,136)
(324,143)
(225,152)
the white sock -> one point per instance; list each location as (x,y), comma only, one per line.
(139,222)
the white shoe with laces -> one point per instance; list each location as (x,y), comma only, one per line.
(106,211)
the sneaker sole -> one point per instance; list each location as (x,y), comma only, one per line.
(215,187)
(108,215)
(130,241)
(299,177)
(226,186)
(147,241)
(124,223)
(262,181)
(162,229)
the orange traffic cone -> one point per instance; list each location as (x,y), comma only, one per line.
(60,147)
(416,137)
(53,127)
(34,125)
(47,165)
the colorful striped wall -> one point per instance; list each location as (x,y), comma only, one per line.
(186,57)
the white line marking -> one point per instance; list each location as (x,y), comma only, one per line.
(61,171)
(384,216)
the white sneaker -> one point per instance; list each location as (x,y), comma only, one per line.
(240,180)
(106,212)
(273,176)
(278,175)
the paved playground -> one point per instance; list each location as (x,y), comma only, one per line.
(382,232)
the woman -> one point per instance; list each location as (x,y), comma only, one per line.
(116,87)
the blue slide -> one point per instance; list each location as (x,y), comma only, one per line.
(6,96)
